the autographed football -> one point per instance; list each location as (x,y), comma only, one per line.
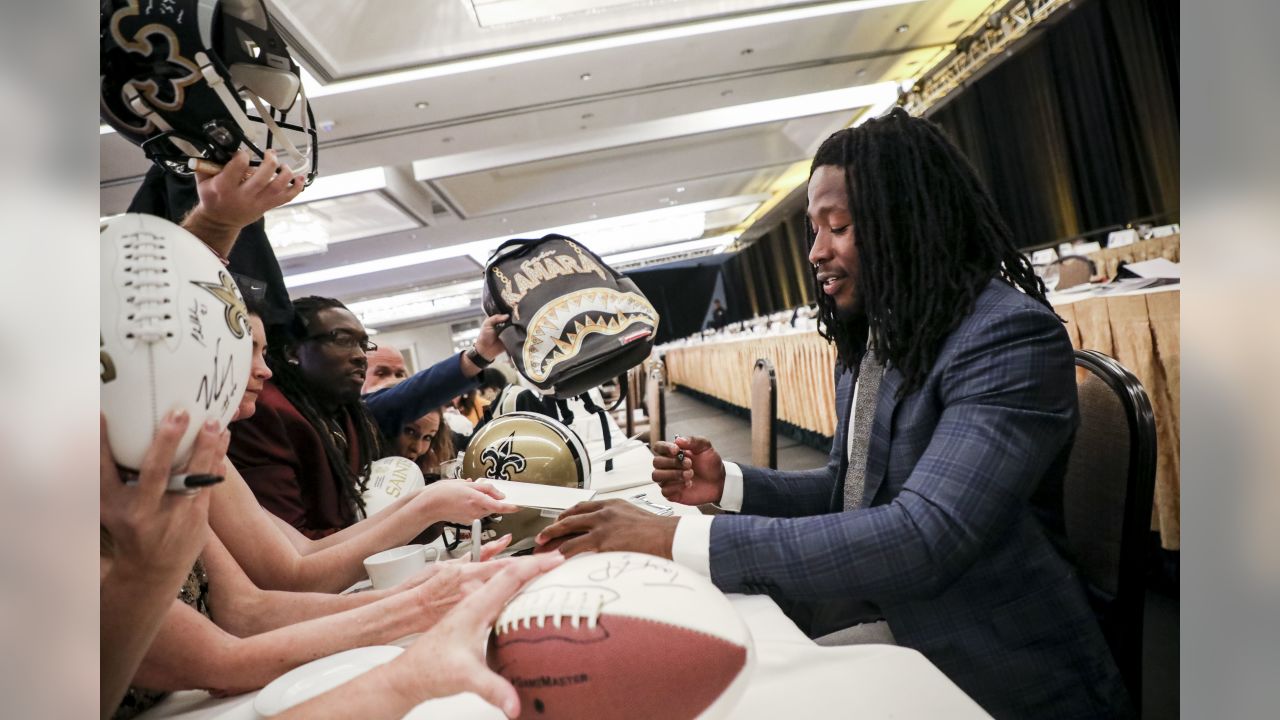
(389,479)
(622,635)
(174,334)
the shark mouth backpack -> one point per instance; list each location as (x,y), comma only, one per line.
(574,321)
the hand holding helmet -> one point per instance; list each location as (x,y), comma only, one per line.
(238,195)
(460,501)
(526,447)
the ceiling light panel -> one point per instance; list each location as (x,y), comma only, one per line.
(334,220)
(500,13)
(620,259)
(447,39)
(735,116)
(414,305)
(556,215)
(480,249)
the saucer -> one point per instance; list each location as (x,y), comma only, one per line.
(320,676)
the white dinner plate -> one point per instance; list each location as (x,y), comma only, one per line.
(320,676)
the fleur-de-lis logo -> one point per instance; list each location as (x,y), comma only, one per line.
(148,58)
(237,315)
(501,461)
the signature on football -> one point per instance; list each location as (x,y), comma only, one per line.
(197,327)
(220,384)
(655,573)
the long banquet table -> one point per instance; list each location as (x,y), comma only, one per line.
(792,676)
(1139,329)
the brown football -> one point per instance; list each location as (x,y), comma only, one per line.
(622,635)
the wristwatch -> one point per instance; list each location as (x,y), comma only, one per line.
(476,358)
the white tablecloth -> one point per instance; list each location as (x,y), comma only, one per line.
(793,677)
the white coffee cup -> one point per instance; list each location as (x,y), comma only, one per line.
(392,567)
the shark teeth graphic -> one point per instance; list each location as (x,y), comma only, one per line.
(557,331)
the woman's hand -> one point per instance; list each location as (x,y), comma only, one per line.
(488,551)
(449,658)
(451,584)
(154,532)
(460,501)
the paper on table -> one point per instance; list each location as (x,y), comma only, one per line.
(630,468)
(543,497)
(1156,268)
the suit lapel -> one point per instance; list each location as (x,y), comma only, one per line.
(881,434)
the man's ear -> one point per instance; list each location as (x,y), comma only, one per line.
(291,354)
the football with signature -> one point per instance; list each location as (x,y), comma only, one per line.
(622,635)
(174,334)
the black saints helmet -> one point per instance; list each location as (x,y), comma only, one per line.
(199,79)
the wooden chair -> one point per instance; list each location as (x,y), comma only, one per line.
(1106,501)
(764,415)
(634,402)
(1073,270)
(655,404)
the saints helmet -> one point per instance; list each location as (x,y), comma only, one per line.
(199,79)
(525,447)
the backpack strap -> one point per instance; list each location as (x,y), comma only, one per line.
(591,407)
(562,409)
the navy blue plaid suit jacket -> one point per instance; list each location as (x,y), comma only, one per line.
(945,542)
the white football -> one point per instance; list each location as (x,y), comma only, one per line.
(174,334)
(621,636)
(389,479)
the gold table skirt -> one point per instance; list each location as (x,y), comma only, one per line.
(1108,260)
(801,360)
(1140,330)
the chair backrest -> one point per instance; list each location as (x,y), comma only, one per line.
(764,415)
(1073,270)
(655,404)
(633,398)
(1106,502)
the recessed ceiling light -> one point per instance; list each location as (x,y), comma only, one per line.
(903,28)
(861,72)
(588,116)
(421,105)
(446,139)
(582,127)
(664,200)
(592,216)
(747,51)
(680,189)
(584,76)
(726,93)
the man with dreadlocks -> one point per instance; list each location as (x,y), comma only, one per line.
(956,401)
(307,450)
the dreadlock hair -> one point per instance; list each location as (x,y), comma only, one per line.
(929,240)
(294,385)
